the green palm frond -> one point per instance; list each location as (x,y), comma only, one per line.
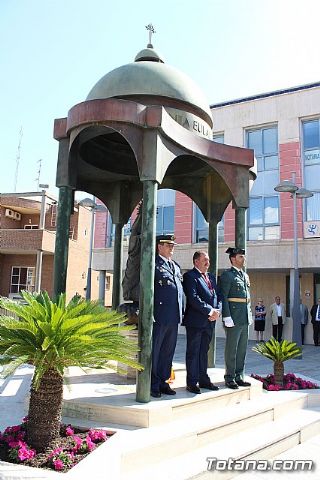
(278,351)
(55,335)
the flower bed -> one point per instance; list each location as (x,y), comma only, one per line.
(290,382)
(69,449)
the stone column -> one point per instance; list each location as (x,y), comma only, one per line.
(148,247)
(65,205)
(117,265)
(213,254)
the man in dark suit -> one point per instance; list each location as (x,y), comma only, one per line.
(168,298)
(200,316)
(237,316)
(315,320)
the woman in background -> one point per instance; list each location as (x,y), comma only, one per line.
(260,320)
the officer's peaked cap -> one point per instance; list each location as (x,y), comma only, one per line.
(166,239)
(235,251)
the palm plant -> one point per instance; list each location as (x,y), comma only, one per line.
(278,352)
(52,336)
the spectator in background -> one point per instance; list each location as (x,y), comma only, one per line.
(304,317)
(315,320)
(278,318)
(259,319)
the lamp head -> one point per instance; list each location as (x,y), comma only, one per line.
(286,186)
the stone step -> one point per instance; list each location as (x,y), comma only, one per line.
(264,441)
(106,402)
(130,452)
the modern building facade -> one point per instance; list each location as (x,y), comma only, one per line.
(283,129)
(27,241)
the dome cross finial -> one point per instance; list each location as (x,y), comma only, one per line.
(151,30)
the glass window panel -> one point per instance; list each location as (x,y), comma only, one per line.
(312,177)
(270,141)
(218,138)
(15,279)
(255,233)
(200,220)
(202,235)
(14,289)
(272,233)
(23,275)
(311,134)
(168,220)
(22,286)
(260,164)
(166,196)
(257,187)
(271,162)
(15,270)
(270,180)
(271,210)
(312,157)
(255,141)
(255,211)
(313,207)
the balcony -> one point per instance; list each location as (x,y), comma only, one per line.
(22,241)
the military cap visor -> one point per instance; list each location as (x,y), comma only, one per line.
(166,239)
(235,251)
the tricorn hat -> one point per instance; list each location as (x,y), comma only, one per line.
(166,239)
(232,251)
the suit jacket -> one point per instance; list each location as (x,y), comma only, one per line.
(233,284)
(313,313)
(200,300)
(304,314)
(274,313)
(168,292)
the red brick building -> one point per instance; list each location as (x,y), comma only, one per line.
(27,243)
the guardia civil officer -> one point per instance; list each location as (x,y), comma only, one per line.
(237,316)
(168,298)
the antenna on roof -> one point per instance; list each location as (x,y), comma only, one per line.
(38,174)
(17,161)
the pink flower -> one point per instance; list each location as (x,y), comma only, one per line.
(58,464)
(24,453)
(90,444)
(97,435)
(69,431)
(274,387)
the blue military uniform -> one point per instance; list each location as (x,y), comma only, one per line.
(168,301)
(235,291)
(201,297)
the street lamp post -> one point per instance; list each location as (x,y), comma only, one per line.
(296,192)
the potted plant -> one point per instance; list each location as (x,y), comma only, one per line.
(52,336)
(278,352)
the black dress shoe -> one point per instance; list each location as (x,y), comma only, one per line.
(233,385)
(193,389)
(155,394)
(168,391)
(242,383)
(208,386)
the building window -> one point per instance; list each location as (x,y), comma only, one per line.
(22,278)
(311,154)
(264,218)
(108,282)
(165,211)
(31,227)
(263,214)
(218,137)
(201,227)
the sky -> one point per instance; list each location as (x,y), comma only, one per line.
(52,52)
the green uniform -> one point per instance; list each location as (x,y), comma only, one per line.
(235,291)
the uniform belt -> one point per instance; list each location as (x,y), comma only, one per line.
(241,300)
